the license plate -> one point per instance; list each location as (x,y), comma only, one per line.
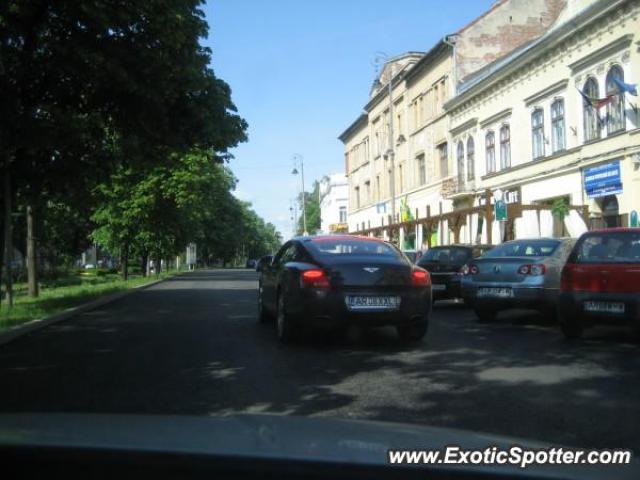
(496,292)
(606,307)
(437,286)
(372,302)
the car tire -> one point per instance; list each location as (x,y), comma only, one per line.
(572,326)
(486,315)
(263,315)
(412,333)
(285,328)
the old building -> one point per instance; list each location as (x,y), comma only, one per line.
(401,166)
(552,126)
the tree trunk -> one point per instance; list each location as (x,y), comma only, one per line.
(32,265)
(158,265)
(8,245)
(145,261)
(124,260)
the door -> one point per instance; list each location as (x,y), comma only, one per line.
(272,273)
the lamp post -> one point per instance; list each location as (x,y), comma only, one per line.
(390,154)
(298,158)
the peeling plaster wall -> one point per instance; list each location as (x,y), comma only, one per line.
(508,25)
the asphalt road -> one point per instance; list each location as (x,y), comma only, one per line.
(192,345)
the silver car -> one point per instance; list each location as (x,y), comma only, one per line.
(516,274)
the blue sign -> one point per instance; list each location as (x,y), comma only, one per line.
(381,208)
(603,180)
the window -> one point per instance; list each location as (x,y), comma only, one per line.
(615,108)
(400,179)
(505,147)
(444,160)
(537,133)
(378,193)
(524,248)
(367,191)
(460,155)
(325,246)
(591,120)
(470,159)
(346,162)
(490,143)
(422,170)
(557,125)
(342,212)
(357,197)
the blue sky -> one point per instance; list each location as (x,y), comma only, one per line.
(300,72)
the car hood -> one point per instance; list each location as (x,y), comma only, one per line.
(319,439)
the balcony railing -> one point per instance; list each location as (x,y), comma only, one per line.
(457,185)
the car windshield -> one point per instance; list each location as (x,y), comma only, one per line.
(347,247)
(623,247)
(446,255)
(524,248)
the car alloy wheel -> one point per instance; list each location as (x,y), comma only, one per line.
(262,313)
(412,333)
(285,329)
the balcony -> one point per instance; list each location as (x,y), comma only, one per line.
(457,187)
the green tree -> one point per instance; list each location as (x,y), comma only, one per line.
(312,206)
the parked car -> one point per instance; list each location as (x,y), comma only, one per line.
(445,264)
(516,274)
(601,281)
(334,281)
(251,263)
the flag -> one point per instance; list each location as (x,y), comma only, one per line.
(626,87)
(596,103)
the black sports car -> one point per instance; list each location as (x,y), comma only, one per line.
(334,281)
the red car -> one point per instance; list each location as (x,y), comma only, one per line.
(600,282)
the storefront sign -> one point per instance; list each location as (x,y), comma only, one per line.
(501,211)
(603,180)
(633,219)
(381,208)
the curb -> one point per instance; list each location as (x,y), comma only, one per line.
(11,333)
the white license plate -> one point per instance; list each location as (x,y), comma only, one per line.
(495,292)
(372,302)
(606,307)
(437,286)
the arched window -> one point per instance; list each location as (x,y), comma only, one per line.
(537,133)
(557,125)
(591,120)
(470,159)
(615,108)
(460,158)
(490,144)
(505,146)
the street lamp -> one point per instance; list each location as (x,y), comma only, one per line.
(298,158)
(390,154)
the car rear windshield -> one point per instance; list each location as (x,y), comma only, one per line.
(524,248)
(618,247)
(447,255)
(352,247)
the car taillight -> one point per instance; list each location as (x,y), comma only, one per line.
(534,270)
(464,270)
(420,278)
(315,278)
(470,270)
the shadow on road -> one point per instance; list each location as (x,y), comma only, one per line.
(188,346)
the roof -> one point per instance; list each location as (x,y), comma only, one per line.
(351,129)
(615,230)
(325,238)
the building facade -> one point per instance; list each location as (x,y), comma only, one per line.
(334,202)
(532,104)
(522,128)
